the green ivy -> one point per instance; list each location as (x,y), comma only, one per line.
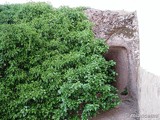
(51,65)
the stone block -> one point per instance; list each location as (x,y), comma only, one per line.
(120,31)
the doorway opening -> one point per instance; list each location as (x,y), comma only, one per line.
(120,56)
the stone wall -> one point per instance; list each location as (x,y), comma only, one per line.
(149,95)
(120,30)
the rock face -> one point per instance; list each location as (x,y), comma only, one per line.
(120,30)
(149,96)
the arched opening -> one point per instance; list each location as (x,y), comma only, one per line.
(119,55)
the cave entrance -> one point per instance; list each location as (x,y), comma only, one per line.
(119,55)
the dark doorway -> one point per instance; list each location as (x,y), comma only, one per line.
(119,54)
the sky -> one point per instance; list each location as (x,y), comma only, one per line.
(148,20)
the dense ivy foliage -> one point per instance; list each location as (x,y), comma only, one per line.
(51,66)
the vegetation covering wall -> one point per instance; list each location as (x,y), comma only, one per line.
(51,66)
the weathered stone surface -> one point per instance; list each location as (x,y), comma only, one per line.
(120,30)
(149,95)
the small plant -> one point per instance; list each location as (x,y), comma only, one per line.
(125,92)
(51,66)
